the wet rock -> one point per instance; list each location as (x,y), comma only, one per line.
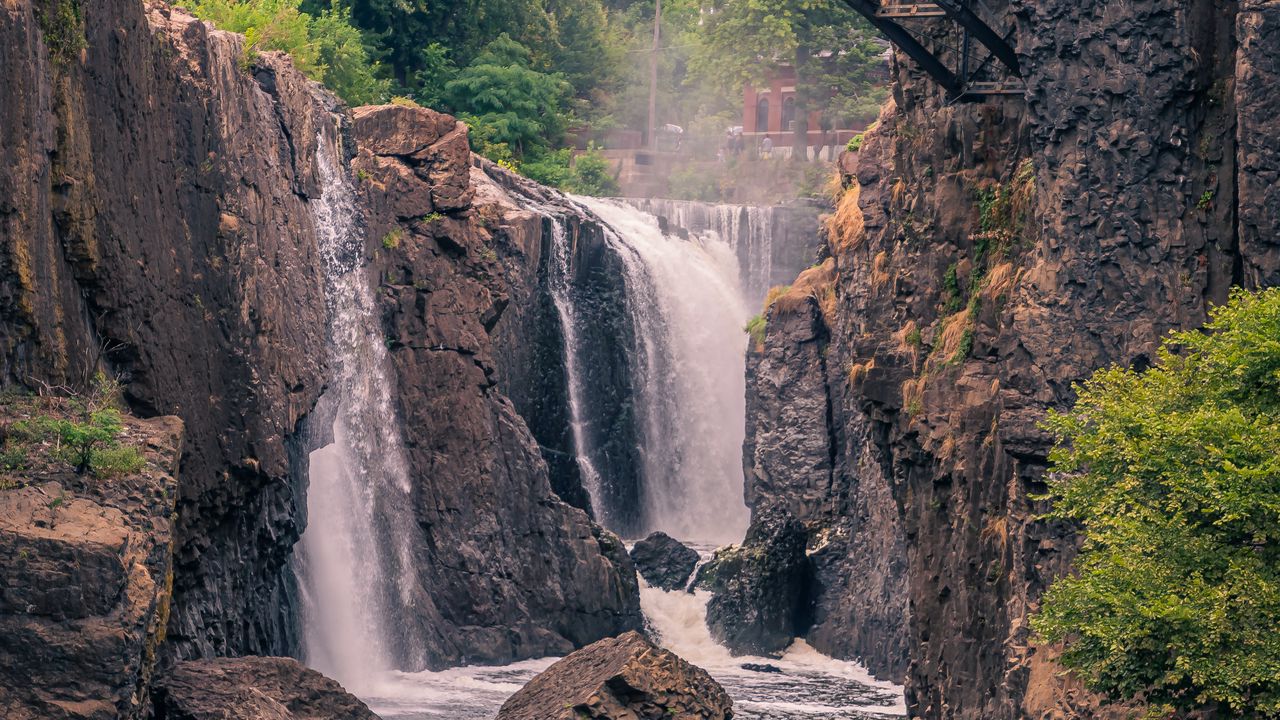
(85,584)
(761,667)
(622,678)
(759,587)
(663,561)
(507,569)
(793,455)
(252,688)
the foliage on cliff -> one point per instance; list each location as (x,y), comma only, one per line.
(1174,475)
(324,46)
(80,431)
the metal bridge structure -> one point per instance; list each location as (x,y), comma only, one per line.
(987,65)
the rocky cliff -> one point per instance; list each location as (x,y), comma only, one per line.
(985,258)
(156,223)
(511,570)
(87,571)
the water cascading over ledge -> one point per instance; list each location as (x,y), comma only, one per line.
(356,559)
(773,243)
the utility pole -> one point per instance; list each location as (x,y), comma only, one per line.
(653,76)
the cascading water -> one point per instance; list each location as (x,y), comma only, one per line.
(561,282)
(687,348)
(688,313)
(354,563)
(749,230)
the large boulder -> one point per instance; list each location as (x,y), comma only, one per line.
(252,688)
(626,677)
(85,576)
(759,588)
(664,562)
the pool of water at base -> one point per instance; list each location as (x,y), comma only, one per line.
(801,685)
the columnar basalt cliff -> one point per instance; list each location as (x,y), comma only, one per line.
(156,223)
(510,570)
(986,257)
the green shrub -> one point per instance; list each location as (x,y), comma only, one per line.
(325,47)
(756,329)
(592,174)
(62,25)
(83,432)
(694,183)
(1173,474)
(392,239)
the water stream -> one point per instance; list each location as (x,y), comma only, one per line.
(354,563)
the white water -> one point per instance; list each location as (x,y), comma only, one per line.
(689,314)
(354,557)
(747,229)
(806,686)
(561,295)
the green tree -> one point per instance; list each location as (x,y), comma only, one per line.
(1173,474)
(507,102)
(834,52)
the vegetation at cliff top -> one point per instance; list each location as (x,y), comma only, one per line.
(535,79)
(324,45)
(1174,476)
(80,431)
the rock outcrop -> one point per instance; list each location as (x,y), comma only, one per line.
(759,587)
(86,572)
(154,224)
(620,678)
(796,456)
(508,569)
(663,561)
(252,688)
(987,257)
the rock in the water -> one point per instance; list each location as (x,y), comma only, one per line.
(626,677)
(252,688)
(664,562)
(762,668)
(84,583)
(759,587)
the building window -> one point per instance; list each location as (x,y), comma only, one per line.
(789,113)
(762,115)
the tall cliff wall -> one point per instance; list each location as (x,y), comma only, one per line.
(155,223)
(988,257)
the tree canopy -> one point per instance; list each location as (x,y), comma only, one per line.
(1174,476)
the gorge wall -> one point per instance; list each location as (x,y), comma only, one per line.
(156,223)
(985,258)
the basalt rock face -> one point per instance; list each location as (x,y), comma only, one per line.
(252,688)
(86,583)
(510,570)
(797,457)
(619,679)
(988,257)
(759,588)
(154,224)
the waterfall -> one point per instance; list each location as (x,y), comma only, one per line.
(561,282)
(354,559)
(748,229)
(687,311)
